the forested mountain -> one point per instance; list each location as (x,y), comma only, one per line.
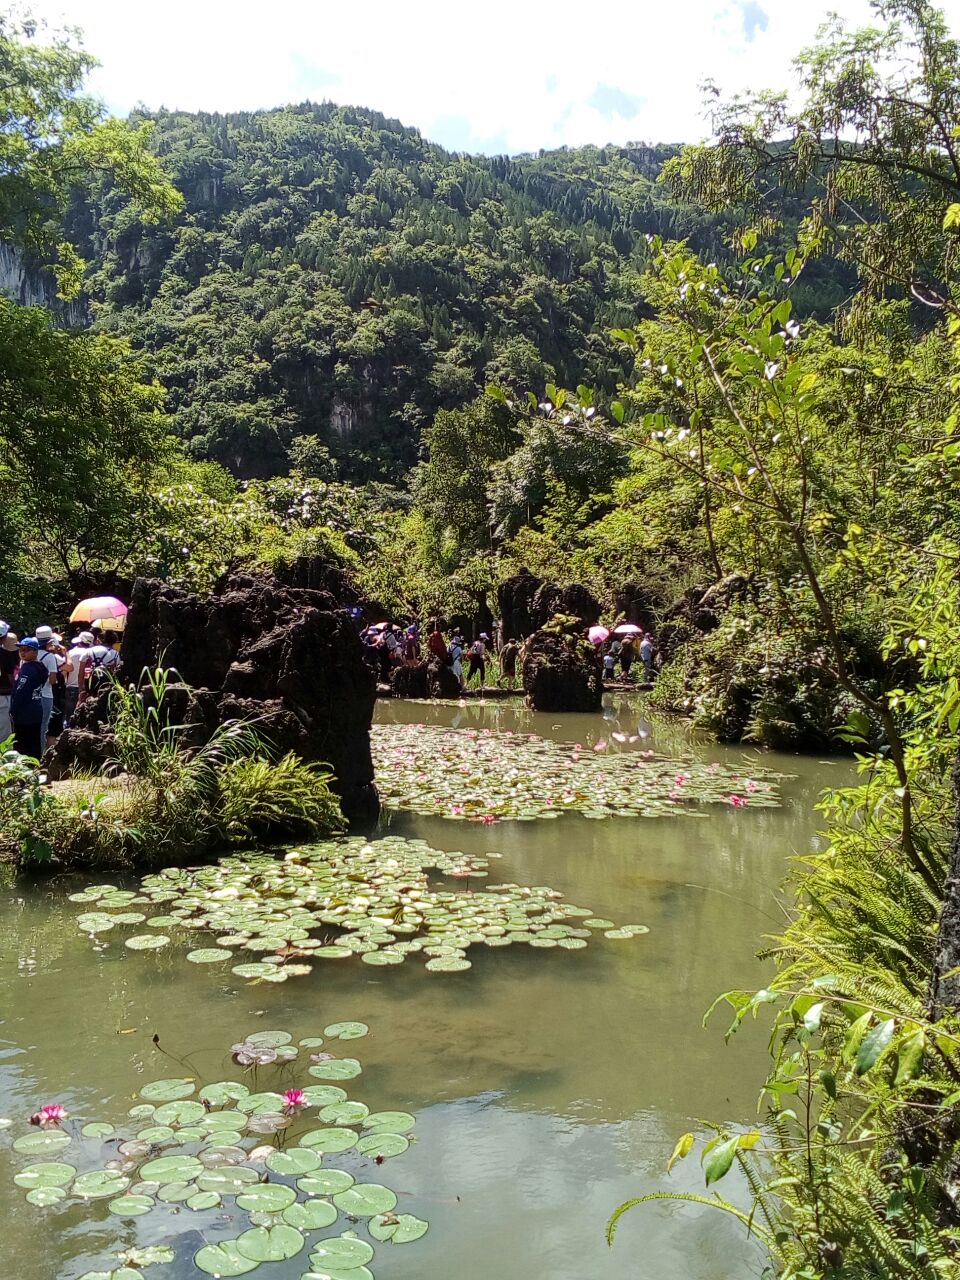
(334,277)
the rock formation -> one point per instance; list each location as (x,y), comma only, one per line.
(527,602)
(561,672)
(285,656)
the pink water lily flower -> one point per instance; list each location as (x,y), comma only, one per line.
(51,1113)
(293,1099)
(680,779)
(488,818)
(737,801)
(751,785)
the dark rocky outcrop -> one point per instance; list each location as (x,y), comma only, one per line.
(698,612)
(515,602)
(572,601)
(637,603)
(561,673)
(286,657)
(527,603)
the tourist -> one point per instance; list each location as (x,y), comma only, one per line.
(52,663)
(646,656)
(628,651)
(476,657)
(26,700)
(411,646)
(9,658)
(436,644)
(609,663)
(614,654)
(64,666)
(389,645)
(508,663)
(81,662)
(456,656)
(105,661)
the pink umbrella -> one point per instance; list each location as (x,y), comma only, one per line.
(99,607)
(598,634)
(628,629)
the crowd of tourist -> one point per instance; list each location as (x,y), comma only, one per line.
(390,646)
(43,679)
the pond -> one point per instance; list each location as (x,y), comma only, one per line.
(548,1086)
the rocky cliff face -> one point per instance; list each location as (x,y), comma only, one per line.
(34,288)
(285,657)
(561,673)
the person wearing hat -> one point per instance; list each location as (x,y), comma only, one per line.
(26,701)
(46,639)
(9,660)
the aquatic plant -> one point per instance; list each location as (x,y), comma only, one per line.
(486,775)
(241,1157)
(342,898)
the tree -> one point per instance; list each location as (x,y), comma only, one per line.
(84,447)
(54,139)
(872,150)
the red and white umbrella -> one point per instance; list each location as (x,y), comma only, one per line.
(102,607)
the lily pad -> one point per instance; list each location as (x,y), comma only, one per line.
(223,1259)
(341,1253)
(204,1200)
(295,1162)
(330,1140)
(130,1206)
(222,1092)
(345,1113)
(44,1197)
(314,1215)
(100,1184)
(402,1229)
(209,955)
(382,1144)
(177,1168)
(326,1182)
(447,964)
(336,1069)
(179,1113)
(346,1030)
(168,1090)
(147,942)
(175,1192)
(268,1197)
(45,1174)
(365,1200)
(390,1121)
(43,1142)
(228,1180)
(97,1129)
(271,1244)
(322,1095)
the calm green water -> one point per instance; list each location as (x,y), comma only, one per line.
(548,1086)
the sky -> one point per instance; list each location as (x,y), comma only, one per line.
(503,76)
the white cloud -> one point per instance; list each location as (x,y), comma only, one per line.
(507,75)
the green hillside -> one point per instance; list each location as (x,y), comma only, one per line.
(334,276)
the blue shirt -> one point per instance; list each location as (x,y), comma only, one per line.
(25,704)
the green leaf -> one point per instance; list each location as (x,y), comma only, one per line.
(719,1160)
(617,411)
(854,1035)
(909,1055)
(873,1046)
(496,393)
(681,1150)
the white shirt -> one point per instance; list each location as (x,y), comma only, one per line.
(78,656)
(53,662)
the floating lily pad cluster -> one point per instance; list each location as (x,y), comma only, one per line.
(487,776)
(247,1159)
(339,899)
